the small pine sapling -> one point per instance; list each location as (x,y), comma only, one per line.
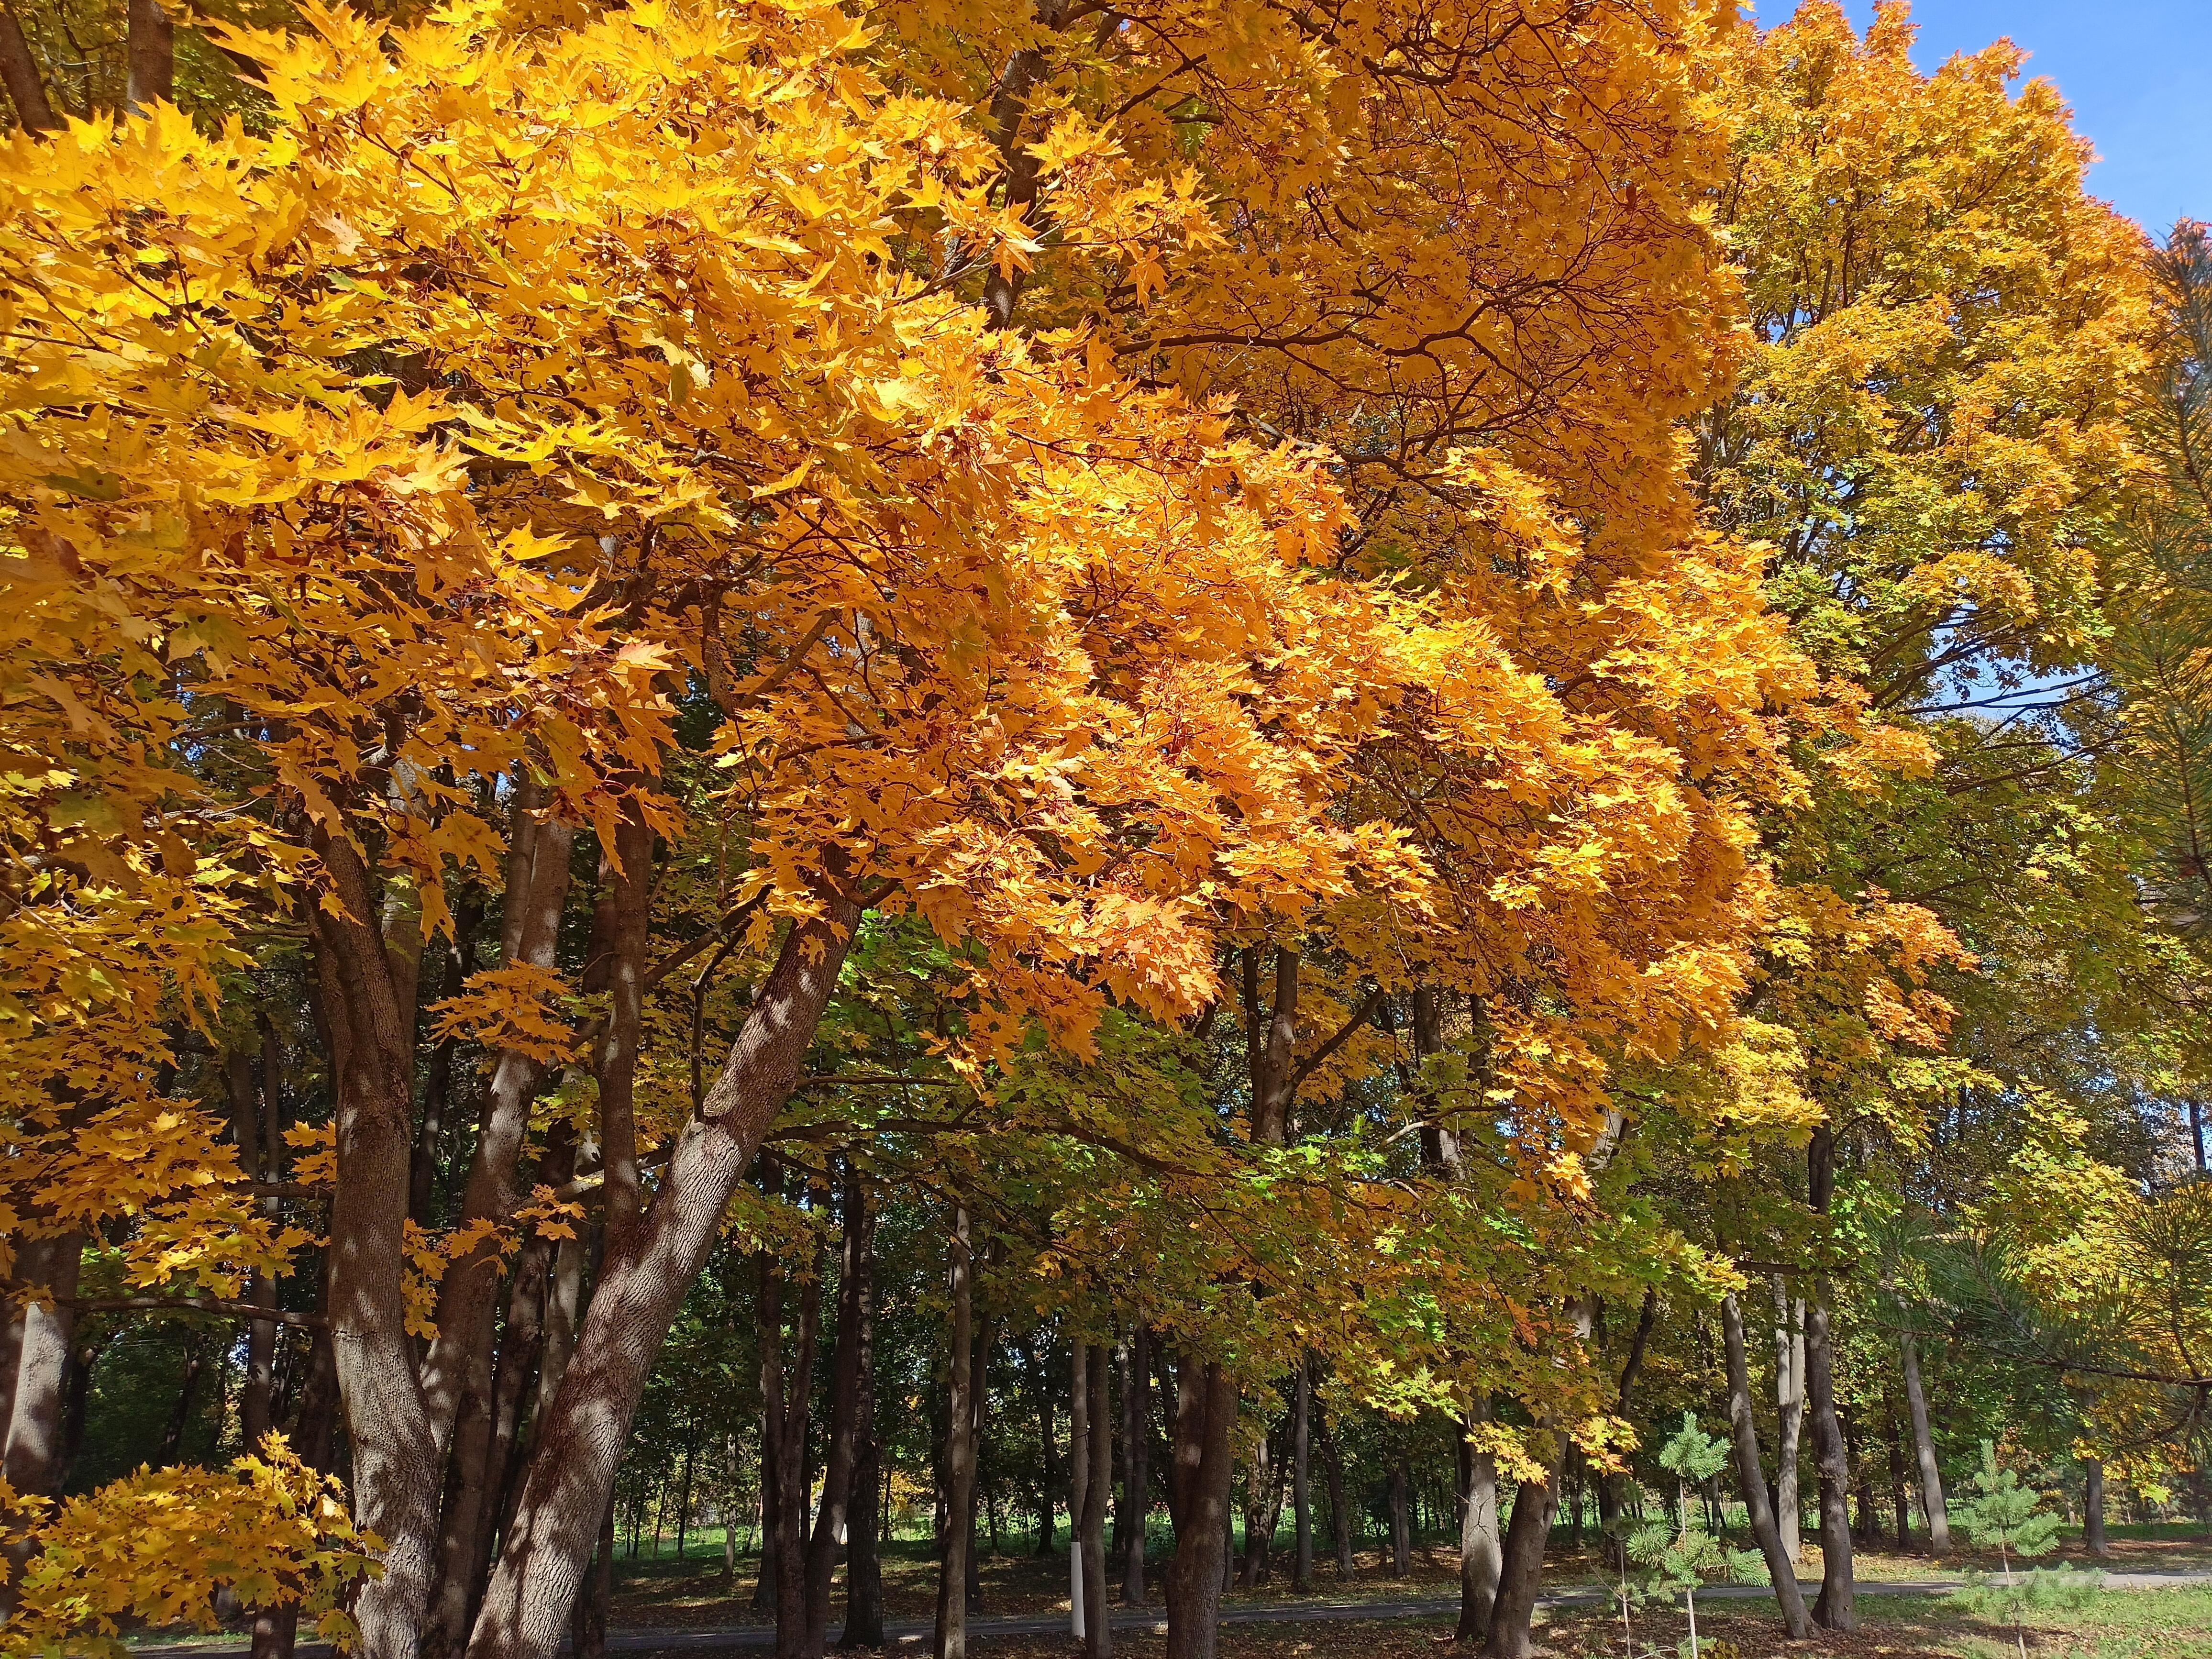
(1679,1559)
(2004,1515)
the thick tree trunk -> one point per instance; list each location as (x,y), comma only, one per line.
(1790,1394)
(864,1574)
(2092,1506)
(1753,1480)
(149,56)
(398,1456)
(43,1334)
(1481,1553)
(1205,1421)
(1520,1576)
(950,1640)
(1836,1608)
(587,1633)
(1923,1449)
(1301,1476)
(1136,1463)
(19,70)
(647,1269)
(845,1425)
(1098,1490)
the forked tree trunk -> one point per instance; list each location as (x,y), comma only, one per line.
(647,1269)
(1779,1568)
(1481,1553)
(1521,1576)
(1205,1421)
(1924,1450)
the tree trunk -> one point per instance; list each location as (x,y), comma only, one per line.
(1136,1463)
(188,1391)
(1481,1556)
(1340,1517)
(1098,1490)
(1924,1450)
(149,56)
(1835,1609)
(19,70)
(1753,1480)
(313,1434)
(1259,1481)
(458,1361)
(1301,1476)
(1790,1392)
(845,1425)
(1206,1422)
(2092,1506)
(952,1634)
(1401,1543)
(647,1270)
(786,1392)
(588,1620)
(43,1334)
(399,1460)
(1521,1575)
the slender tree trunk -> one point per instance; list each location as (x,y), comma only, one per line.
(1259,1479)
(1753,1480)
(1790,1392)
(1302,1578)
(313,1435)
(787,1391)
(1481,1553)
(188,1391)
(150,55)
(2093,1507)
(647,1269)
(845,1425)
(19,70)
(1401,1543)
(1098,1490)
(1924,1450)
(1836,1608)
(1339,1517)
(952,1634)
(1038,1349)
(1205,1421)
(1136,1463)
(863,1580)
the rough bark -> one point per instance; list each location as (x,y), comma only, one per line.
(530,930)
(1136,1463)
(1923,1449)
(950,1637)
(1301,1476)
(1835,1609)
(1790,1394)
(845,1425)
(19,70)
(150,55)
(44,1334)
(1206,1420)
(1521,1575)
(646,1271)
(1481,1553)
(1097,1492)
(1779,1568)
(864,1578)
(587,1623)
(398,1460)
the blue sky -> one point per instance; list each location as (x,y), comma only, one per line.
(2138,74)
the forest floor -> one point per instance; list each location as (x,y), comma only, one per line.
(664,1593)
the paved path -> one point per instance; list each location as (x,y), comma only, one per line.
(907,1635)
